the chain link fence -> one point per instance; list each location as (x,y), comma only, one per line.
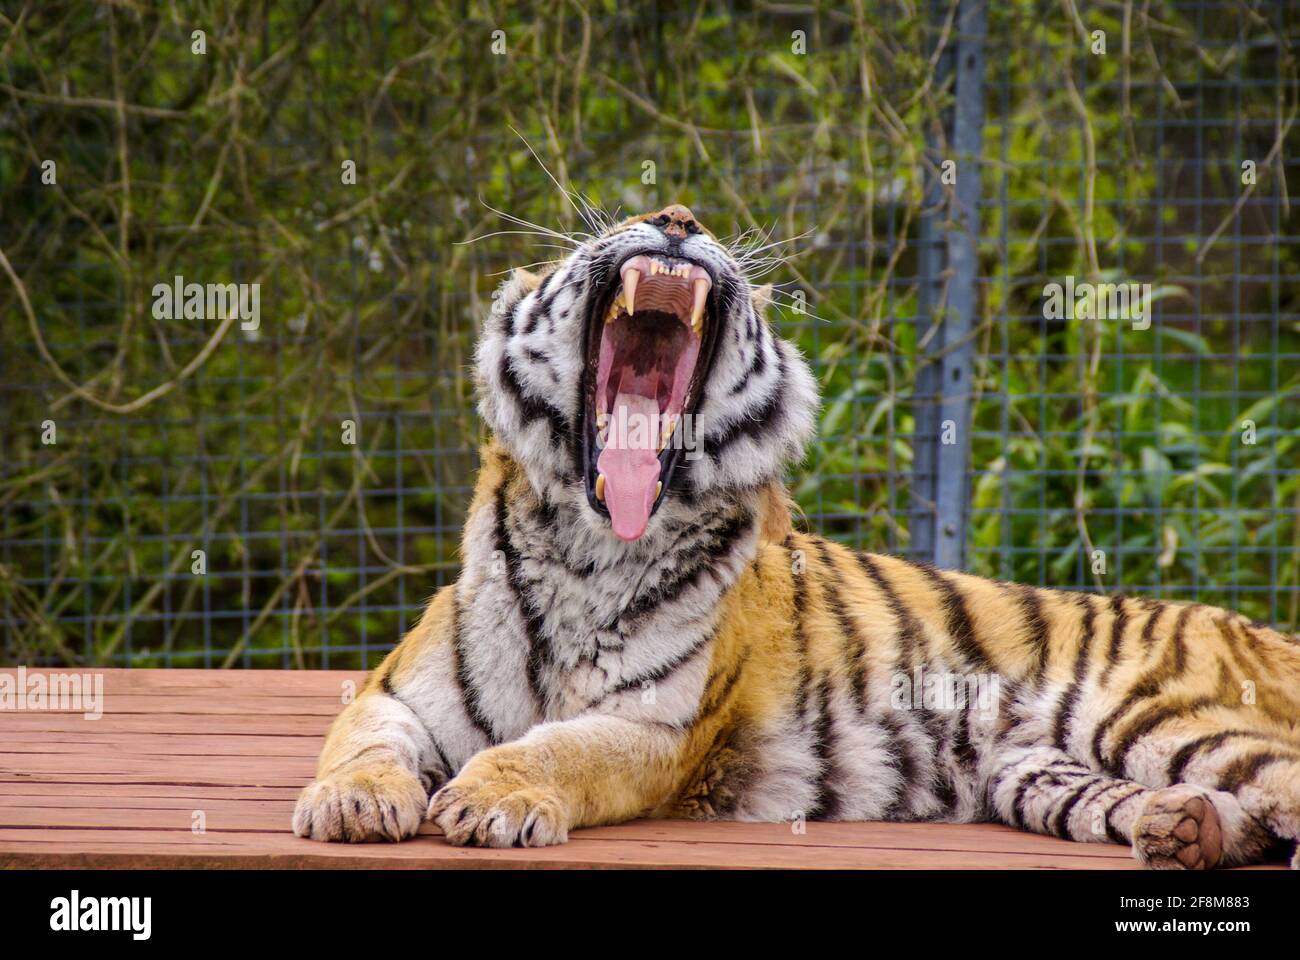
(181,491)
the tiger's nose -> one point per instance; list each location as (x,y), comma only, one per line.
(676,221)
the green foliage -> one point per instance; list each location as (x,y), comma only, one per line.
(227,167)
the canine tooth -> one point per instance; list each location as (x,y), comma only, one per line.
(697,311)
(600,487)
(659,488)
(670,424)
(630,279)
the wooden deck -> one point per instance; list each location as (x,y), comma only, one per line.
(229,751)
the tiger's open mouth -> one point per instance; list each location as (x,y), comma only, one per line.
(649,342)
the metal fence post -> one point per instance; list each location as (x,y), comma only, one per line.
(947,267)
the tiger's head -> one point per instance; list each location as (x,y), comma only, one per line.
(640,375)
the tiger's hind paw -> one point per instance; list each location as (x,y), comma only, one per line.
(1178,829)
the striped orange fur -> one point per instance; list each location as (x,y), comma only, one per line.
(724,665)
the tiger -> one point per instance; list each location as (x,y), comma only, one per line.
(641,629)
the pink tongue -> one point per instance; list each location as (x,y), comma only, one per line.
(629,463)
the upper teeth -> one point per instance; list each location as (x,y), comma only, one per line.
(638,267)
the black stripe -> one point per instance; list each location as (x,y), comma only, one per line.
(1060,825)
(444,772)
(1111,830)
(756,423)
(826,803)
(449,769)
(541,303)
(712,703)
(799,587)
(958,622)
(1022,794)
(1176,640)
(1065,710)
(909,628)
(720,542)
(531,408)
(534,315)
(509,320)
(855,642)
(756,368)
(905,761)
(1118,624)
(963,750)
(1111,787)
(1239,647)
(1152,718)
(658,674)
(1244,769)
(469,695)
(909,641)
(539,649)
(537,356)
(390,690)
(1032,604)
(1060,773)
(1149,631)
(1211,741)
(1148,685)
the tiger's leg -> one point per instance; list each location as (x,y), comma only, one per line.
(380,759)
(1229,754)
(368,784)
(591,770)
(1043,789)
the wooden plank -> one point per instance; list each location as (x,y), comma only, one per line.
(141,848)
(211,768)
(121,790)
(312,726)
(40,791)
(277,683)
(232,702)
(266,745)
(274,816)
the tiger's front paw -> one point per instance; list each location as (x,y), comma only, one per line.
(366,803)
(483,807)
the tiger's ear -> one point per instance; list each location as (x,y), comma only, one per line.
(761,296)
(526,278)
